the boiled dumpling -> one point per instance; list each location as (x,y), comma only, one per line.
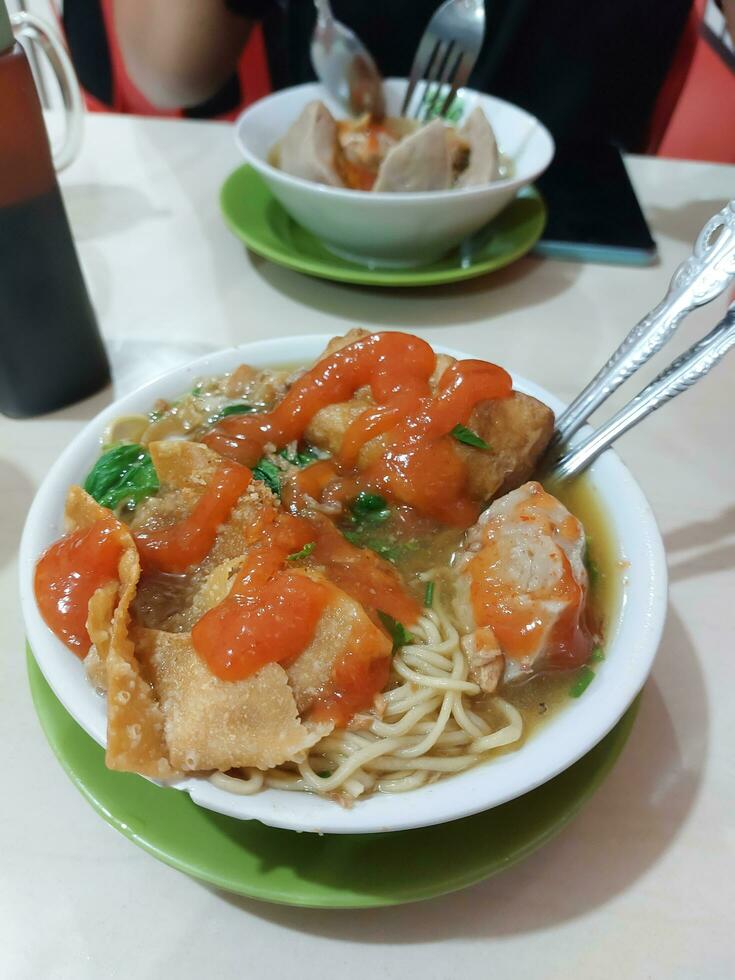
(308,148)
(420,162)
(521,588)
(482,167)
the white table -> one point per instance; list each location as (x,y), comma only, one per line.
(642,883)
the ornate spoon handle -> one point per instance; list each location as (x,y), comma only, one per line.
(685,371)
(701,278)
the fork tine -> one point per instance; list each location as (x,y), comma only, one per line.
(424,59)
(433,69)
(437,79)
(458,78)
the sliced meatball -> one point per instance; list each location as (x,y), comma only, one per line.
(521,585)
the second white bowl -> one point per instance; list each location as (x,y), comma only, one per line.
(392,230)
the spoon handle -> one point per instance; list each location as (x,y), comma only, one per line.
(324,11)
(701,278)
(681,374)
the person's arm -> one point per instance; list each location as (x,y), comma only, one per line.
(728,9)
(179,53)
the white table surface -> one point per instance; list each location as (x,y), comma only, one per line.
(642,883)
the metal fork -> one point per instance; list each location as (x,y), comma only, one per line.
(446,55)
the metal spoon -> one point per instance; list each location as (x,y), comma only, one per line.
(681,374)
(344,65)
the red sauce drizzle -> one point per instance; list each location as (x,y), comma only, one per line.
(368,578)
(175,548)
(270,613)
(420,465)
(68,574)
(357,676)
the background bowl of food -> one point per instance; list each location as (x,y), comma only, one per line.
(422,190)
(540,731)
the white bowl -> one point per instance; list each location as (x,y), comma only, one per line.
(632,639)
(392,230)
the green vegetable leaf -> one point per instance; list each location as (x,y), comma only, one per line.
(597,655)
(303,553)
(386,548)
(125,473)
(593,571)
(584,678)
(369,508)
(397,631)
(235,410)
(453,113)
(270,475)
(300,457)
(429,595)
(462,434)
(197,390)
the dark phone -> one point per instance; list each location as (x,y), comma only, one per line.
(594,214)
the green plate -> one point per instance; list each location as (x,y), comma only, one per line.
(330,871)
(256,217)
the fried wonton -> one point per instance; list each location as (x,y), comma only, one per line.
(184,470)
(517,428)
(344,626)
(216,724)
(135,741)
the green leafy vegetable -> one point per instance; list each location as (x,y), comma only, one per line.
(197,390)
(302,457)
(369,508)
(388,547)
(397,631)
(584,678)
(453,113)
(429,595)
(597,655)
(593,571)
(462,434)
(303,553)
(124,473)
(270,475)
(235,410)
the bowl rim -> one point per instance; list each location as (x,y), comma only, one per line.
(385,197)
(633,636)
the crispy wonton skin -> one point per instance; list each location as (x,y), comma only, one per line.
(216,724)
(185,469)
(344,626)
(135,741)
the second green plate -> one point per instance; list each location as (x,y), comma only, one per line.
(256,217)
(330,871)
